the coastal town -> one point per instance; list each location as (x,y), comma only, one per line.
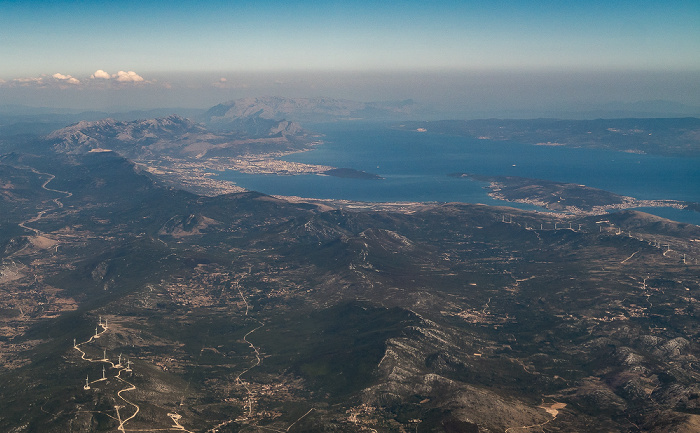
(200,175)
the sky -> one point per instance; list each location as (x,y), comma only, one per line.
(123,52)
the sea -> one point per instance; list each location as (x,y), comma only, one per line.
(415,167)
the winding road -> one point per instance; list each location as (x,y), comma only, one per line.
(130,387)
(256,350)
(258,361)
(40,215)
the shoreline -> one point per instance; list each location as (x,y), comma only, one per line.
(200,177)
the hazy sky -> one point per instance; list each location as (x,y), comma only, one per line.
(93,50)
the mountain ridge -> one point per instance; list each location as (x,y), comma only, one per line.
(307,109)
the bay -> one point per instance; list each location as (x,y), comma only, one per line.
(415,167)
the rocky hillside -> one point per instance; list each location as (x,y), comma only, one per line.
(175,136)
(129,136)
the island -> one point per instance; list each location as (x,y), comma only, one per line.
(351,173)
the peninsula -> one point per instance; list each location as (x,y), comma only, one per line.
(565,197)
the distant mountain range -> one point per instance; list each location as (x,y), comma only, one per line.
(175,136)
(278,122)
(307,110)
(222,127)
(661,136)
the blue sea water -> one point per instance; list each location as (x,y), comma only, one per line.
(415,166)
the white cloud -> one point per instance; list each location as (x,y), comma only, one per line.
(66,78)
(27,81)
(101,74)
(127,77)
(99,79)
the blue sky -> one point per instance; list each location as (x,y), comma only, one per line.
(145,36)
(74,39)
